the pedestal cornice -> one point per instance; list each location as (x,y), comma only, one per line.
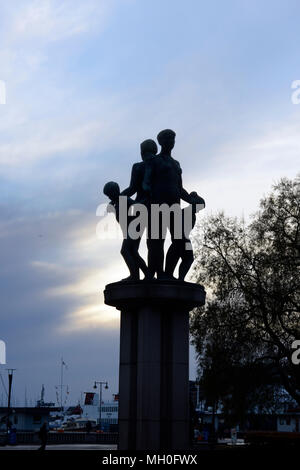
(179,294)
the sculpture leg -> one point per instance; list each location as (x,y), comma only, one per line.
(155,248)
(155,257)
(138,259)
(126,252)
(187,260)
(172,257)
(175,250)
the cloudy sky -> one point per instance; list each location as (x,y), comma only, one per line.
(86,82)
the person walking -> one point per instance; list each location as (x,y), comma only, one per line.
(43,435)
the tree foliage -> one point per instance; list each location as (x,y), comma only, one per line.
(244,333)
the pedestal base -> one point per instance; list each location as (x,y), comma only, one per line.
(154,362)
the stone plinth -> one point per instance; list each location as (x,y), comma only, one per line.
(154,362)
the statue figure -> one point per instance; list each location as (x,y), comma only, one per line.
(157,181)
(130,246)
(139,182)
(163,181)
(182,248)
(136,186)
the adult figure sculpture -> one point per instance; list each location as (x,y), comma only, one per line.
(163,181)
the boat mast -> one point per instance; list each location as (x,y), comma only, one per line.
(61,385)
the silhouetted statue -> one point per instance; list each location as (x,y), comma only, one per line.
(136,186)
(164,181)
(157,182)
(130,246)
(140,184)
(182,248)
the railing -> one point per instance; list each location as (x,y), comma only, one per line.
(68,438)
(272,438)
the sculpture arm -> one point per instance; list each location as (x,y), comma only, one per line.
(192,198)
(132,188)
(185,196)
(148,176)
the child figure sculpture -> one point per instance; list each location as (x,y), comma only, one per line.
(130,246)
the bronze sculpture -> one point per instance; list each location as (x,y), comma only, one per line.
(130,246)
(157,183)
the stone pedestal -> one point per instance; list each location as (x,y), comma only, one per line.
(154,362)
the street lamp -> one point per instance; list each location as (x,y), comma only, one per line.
(10,379)
(100,398)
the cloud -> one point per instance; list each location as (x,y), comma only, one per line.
(52,293)
(74,280)
(54,20)
(245,167)
(31,31)
(44,141)
(86,82)
(91,317)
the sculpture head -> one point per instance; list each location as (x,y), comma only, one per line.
(148,148)
(112,190)
(166,139)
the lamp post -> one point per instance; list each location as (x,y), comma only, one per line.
(10,379)
(100,398)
